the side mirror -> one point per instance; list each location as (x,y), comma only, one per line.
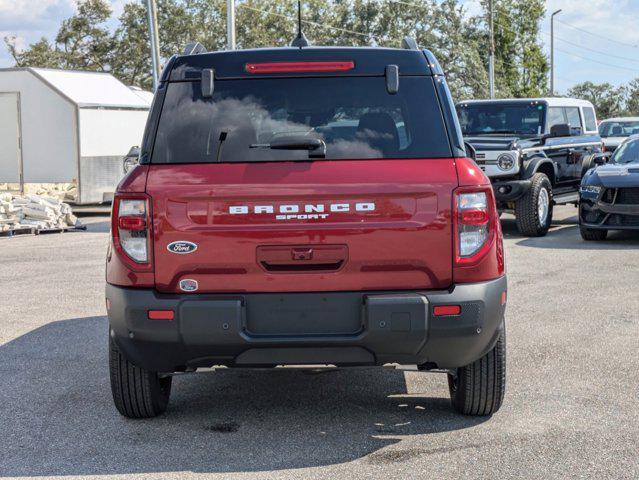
(131,159)
(470,151)
(560,130)
(601,158)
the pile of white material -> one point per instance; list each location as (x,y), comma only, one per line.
(66,192)
(34,211)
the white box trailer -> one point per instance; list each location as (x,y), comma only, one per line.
(68,127)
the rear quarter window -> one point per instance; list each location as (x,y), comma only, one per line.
(572,113)
(355,116)
(555,116)
(589,119)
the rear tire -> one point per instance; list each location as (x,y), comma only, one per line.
(478,388)
(137,393)
(592,234)
(529,209)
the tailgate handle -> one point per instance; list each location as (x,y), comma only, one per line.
(302,258)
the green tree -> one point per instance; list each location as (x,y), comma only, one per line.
(521,67)
(609,101)
(83,42)
(39,54)
(458,49)
(632,102)
(179,22)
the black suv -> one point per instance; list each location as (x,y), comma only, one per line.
(535,152)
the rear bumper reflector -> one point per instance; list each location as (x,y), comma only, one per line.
(161,314)
(443,310)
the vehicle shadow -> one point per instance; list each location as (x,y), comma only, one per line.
(99,227)
(96,220)
(58,417)
(564,234)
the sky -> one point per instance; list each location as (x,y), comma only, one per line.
(596,40)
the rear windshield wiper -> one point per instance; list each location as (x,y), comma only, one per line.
(316,147)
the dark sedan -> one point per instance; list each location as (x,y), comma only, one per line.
(609,193)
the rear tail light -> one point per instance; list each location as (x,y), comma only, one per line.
(479,250)
(474,220)
(130,229)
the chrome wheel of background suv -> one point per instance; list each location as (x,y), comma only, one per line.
(543,203)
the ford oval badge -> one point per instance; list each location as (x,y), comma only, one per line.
(188,285)
(181,247)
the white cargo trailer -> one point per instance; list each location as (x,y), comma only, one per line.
(67,127)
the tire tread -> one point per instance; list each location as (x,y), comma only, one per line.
(137,393)
(480,387)
(526,215)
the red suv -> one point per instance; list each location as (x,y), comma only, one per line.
(305,206)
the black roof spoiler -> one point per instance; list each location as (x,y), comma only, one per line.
(232,64)
(194,48)
(409,43)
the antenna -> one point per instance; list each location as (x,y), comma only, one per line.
(301,40)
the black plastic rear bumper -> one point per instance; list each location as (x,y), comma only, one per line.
(340,328)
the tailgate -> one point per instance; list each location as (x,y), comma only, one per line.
(303,226)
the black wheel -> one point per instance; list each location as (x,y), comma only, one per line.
(478,388)
(592,234)
(533,211)
(137,393)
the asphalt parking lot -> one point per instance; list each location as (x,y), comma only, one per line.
(571,408)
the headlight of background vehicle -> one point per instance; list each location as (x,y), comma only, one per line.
(506,161)
(590,189)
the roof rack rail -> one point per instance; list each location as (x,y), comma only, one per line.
(409,43)
(193,48)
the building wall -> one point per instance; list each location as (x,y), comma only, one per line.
(106,132)
(49,144)
(106,135)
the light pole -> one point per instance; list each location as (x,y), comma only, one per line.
(155,44)
(491,57)
(230,24)
(552,52)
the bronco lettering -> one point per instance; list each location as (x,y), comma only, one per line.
(312,211)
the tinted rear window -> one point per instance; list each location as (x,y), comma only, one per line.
(354,116)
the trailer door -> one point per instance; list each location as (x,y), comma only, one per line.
(10,155)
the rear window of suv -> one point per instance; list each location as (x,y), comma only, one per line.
(355,116)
